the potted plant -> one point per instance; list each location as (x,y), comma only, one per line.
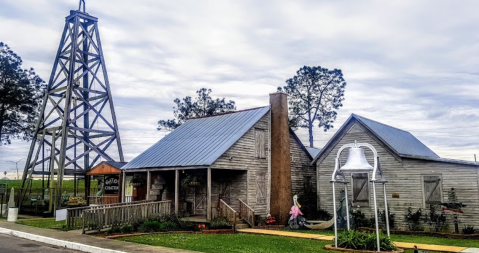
(137,181)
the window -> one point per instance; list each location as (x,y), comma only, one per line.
(432,190)
(360,189)
(259,141)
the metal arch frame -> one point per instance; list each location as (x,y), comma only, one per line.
(78,83)
(376,169)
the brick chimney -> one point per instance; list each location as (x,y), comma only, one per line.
(281,192)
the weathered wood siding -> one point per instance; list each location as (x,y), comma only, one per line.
(301,168)
(252,186)
(405,179)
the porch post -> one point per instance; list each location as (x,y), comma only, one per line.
(148,184)
(123,188)
(208,193)
(177,189)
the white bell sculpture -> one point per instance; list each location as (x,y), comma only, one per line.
(357,162)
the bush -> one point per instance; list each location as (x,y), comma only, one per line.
(436,221)
(364,241)
(360,220)
(220,222)
(150,226)
(468,230)
(413,219)
(168,226)
(126,229)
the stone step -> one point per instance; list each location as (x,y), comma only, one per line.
(242,226)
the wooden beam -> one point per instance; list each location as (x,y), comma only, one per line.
(208,194)
(148,184)
(123,187)
(177,189)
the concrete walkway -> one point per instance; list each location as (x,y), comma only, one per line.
(403,245)
(75,240)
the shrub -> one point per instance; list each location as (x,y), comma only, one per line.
(220,222)
(364,241)
(413,219)
(435,221)
(391,218)
(168,226)
(324,215)
(468,230)
(126,229)
(150,226)
(360,220)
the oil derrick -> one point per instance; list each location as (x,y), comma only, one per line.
(77,124)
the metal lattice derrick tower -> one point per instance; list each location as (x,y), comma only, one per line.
(77,125)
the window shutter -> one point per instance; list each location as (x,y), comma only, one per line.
(260,143)
(360,189)
(432,189)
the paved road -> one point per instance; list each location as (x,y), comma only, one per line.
(12,244)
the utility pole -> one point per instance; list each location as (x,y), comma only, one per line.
(16,166)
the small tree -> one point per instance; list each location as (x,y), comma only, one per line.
(21,92)
(315,93)
(203,105)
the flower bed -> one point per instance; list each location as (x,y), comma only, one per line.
(331,247)
(423,233)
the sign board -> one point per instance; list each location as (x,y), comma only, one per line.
(3,188)
(112,184)
(61,214)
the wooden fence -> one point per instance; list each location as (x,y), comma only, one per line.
(74,215)
(107,217)
(246,213)
(102,200)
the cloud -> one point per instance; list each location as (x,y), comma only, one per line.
(409,64)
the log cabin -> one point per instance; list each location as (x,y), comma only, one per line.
(417,177)
(249,157)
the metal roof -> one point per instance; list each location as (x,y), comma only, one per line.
(403,142)
(117,165)
(198,142)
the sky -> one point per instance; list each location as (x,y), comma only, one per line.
(413,65)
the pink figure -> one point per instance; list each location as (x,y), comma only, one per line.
(295,211)
(295,208)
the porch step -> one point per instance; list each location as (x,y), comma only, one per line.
(242,225)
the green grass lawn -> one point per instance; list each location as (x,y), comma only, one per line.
(43,223)
(38,184)
(233,243)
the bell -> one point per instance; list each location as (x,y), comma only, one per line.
(356,161)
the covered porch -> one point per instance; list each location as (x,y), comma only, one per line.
(201,192)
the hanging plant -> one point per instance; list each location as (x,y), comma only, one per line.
(137,181)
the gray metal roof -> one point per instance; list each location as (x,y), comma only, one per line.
(313,151)
(117,165)
(403,142)
(198,142)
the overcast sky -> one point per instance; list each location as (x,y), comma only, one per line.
(410,64)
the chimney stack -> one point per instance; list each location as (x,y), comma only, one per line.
(281,192)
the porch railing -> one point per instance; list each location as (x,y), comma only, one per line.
(226,211)
(74,215)
(246,213)
(106,217)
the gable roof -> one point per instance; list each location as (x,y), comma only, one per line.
(198,142)
(401,142)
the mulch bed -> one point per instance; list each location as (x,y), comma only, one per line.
(331,247)
(422,233)
(209,231)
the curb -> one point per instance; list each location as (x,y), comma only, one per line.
(59,243)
